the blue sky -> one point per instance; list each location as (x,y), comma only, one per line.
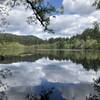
(56,3)
(78,15)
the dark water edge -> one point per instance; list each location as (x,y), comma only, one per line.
(89,59)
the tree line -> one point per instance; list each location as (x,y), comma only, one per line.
(89,39)
(24,40)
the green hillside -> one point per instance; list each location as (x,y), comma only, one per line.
(89,39)
(24,40)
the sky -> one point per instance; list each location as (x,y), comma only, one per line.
(78,15)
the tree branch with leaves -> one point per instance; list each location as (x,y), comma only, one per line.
(42,10)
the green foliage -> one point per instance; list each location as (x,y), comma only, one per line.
(97,4)
(89,39)
(42,10)
(23,40)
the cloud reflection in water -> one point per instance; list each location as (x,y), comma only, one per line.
(32,73)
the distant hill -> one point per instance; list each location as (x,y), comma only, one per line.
(24,40)
(89,39)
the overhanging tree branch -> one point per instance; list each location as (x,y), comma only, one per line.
(42,10)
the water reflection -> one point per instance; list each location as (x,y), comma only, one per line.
(51,70)
(3,96)
(96,94)
(43,95)
(89,59)
(4,73)
(53,73)
(49,76)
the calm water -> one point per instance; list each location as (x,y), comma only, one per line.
(48,75)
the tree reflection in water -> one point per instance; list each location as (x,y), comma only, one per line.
(3,88)
(96,95)
(4,73)
(3,96)
(44,95)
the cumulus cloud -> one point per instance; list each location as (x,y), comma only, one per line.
(18,22)
(69,25)
(78,6)
(79,15)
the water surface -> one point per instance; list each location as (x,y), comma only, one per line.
(48,75)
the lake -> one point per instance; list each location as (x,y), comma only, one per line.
(48,74)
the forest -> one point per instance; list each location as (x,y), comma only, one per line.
(88,39)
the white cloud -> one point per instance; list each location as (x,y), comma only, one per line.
(69,25)
(78,6)
(79,15)
(18,22)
